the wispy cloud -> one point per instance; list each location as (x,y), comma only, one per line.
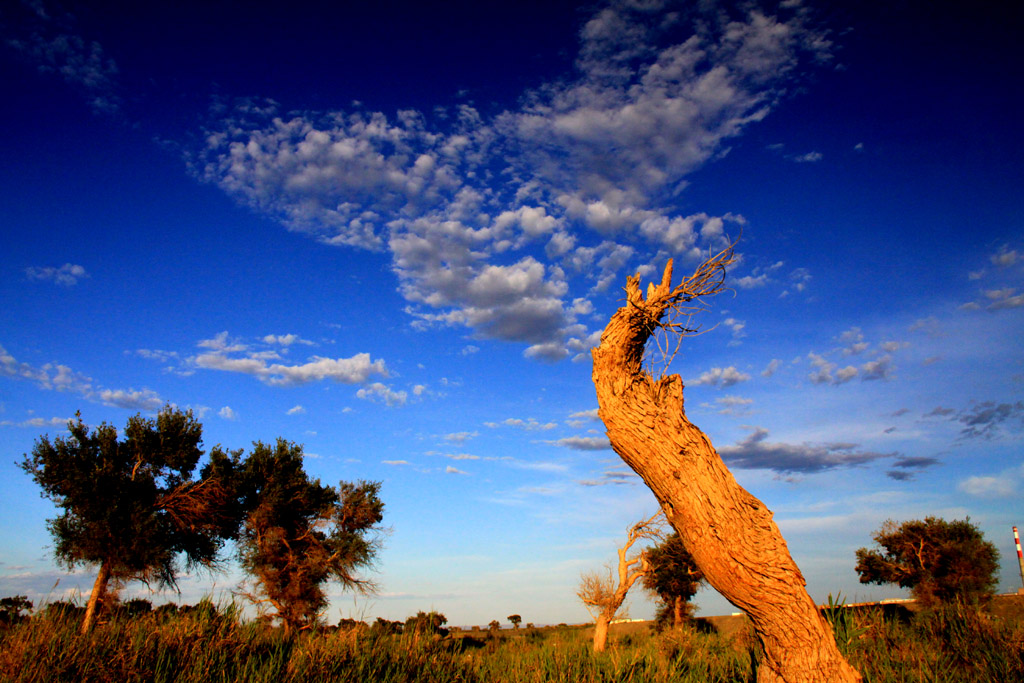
(58,377)
(233,356)
(583,443)
(378,391)
(460,437)
(756,452)
(67,275)
(721,377)
(530,424)
(36,422)
(989,419)
(907,466)
(49,40)
(1003,485)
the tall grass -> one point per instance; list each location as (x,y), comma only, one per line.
(216,645)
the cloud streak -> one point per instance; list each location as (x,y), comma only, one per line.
(756,452)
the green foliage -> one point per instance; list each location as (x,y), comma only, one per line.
(839,617)
(131,506)
(298,533)
(11,609)
(674,577)
(940,561)
(426,623)
(515,620)
(386,627)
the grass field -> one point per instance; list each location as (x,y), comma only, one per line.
(215,644)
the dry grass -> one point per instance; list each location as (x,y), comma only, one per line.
(214,644)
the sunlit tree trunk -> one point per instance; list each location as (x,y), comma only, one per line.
(99,589)
(729,532)
(677,611)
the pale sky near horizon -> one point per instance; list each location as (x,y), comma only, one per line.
(392,233)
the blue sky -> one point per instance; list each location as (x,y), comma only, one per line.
(393,233)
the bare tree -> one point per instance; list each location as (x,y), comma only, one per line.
(729,532)
(603,593)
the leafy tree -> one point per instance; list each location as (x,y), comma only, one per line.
(939,561)
(494,626)
(63,611)
(674,577)
(11,609)
(386,627)
(131,506)
(515,619)
(298,533)
(426,623)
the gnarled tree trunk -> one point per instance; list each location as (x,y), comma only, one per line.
(729,532)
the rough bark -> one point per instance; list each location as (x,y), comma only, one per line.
(600,633)
(99,589)
(677,611)
(729,532)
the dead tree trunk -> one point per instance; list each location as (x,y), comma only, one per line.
(729,532)
(602,595)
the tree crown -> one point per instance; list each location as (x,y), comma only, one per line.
(939,561)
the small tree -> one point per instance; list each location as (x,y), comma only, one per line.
(603,593)
(427,623)
(298,533)
(130,507)
(11,609)
(674,577)
(939,561)
(494,626)
(516,620)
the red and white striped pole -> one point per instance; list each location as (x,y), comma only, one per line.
(1020,556)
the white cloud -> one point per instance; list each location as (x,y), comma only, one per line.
(37,422)
(296,410)
(460,437)
(1005,257)
(721,377)
(286,340)
(381,392)
(987,487)
(771,368)
(227,413)
(810,157)
(733,405)
(880,368)
(453,470)
(57,377)
(584,443)
(530,424)
(236,357)
(583,159)
(67,275)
